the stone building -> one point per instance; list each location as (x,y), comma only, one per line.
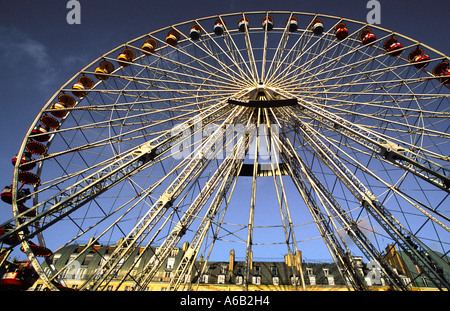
(214,275)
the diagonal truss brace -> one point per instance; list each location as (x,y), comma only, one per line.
(190,172)
(420,254)
(186,264)
(302,177)
(408,160)
(75,196)
(297,170)
(224,170)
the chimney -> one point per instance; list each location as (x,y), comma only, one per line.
(231,264)
(185,246)
(287,259)
(293,260)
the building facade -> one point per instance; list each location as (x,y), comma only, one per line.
(226,275)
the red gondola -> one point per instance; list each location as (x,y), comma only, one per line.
(367,37)
(442,70)
(172,37)
(41,134)
(103,70)
(317,26)
(267,23)
(292,23)
(419,59)
(26,157)
(35,147)
(6,194)
(67,100)
(18,276)
(125,57)
(49,122)
(150,45)
(393,47)
(12,239)
(84,83)
(218,27)
(341,31)
(195,32)
(243,24)
(38,250)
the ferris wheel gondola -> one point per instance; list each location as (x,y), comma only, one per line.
(249,131)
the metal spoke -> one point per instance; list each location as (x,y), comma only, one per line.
(161,142)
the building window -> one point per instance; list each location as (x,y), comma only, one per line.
(170,263)
(239,280)
(98,272)
(274,270)
(326,271)
(104,259)
(406,280)
(80,273)
(224,269)
(205,278)
(87,260)
(312,280)
(221,279)
(72,258)
(137,260)
(276,280)
(70,272)
(240,270)
(256,280)
(187,278)
(330,280)
(56,257)
(361,271)
(309,271)
(257,270)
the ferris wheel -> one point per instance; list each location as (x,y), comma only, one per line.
(243,131)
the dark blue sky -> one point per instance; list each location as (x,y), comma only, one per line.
(39,51)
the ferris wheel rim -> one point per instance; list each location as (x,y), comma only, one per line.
(85,69)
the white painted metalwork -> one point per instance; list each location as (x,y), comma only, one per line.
(186,142)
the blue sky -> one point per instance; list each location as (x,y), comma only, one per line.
(39,51)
